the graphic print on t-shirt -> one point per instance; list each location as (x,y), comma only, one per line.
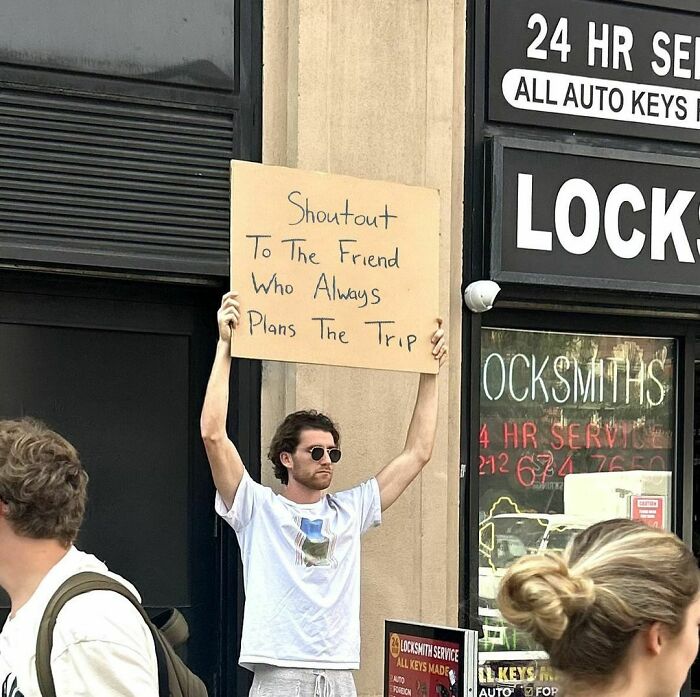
(9,687)
(314,548)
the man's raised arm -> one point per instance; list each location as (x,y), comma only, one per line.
(420,439)
(226,465)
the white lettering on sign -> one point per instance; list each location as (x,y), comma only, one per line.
(526,237)
(609,46)
(445,653)
(565,380)
(417,648)
(573,189)
(666,230)
(632,246)
(677,56)
(558,43)
(666,222)
(614,46)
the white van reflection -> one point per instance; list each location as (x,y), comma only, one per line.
(503,539)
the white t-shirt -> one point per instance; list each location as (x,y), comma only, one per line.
(301,570)
(101,645)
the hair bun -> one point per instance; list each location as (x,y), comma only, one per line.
(540,595)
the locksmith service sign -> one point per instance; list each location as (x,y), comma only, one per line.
(582,216)
(429,661)
(595,65)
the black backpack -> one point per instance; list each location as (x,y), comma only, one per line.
(175,679)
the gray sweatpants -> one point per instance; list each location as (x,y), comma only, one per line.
(271,681)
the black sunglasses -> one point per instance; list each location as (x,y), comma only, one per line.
(318,451)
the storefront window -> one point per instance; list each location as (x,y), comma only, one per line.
(574,429)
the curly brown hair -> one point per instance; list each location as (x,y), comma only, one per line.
(286,438)
(42,482)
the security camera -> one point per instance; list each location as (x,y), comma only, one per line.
(480,296)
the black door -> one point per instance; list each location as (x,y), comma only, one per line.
(120,368)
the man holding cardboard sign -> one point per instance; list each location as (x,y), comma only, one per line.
(301,549)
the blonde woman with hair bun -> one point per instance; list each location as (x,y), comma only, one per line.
(618,612)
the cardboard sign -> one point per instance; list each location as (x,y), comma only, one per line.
(333,269)
(422,660)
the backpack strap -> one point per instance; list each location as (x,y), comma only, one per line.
(78,584)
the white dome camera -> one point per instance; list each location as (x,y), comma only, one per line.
(480,296)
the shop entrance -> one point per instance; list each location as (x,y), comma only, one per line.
(577,423)
(695,671)
(120,371)
(696,469)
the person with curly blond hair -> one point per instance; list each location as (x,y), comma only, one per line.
(618,612)
(101,646)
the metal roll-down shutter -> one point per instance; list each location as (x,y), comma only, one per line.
(106,183)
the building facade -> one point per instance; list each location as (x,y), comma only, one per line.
(580,391)
(562,137)
(117,125)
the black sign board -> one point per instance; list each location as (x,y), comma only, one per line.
(576,215)
(423,660)
(597,66)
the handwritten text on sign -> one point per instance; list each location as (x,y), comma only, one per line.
(333,269)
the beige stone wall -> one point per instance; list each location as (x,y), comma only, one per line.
(375,88)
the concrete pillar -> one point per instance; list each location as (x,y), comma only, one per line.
(375,88)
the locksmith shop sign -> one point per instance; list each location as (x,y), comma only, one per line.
(422,660)
(593,65)
(575,215)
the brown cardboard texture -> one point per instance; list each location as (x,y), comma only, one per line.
(334,269)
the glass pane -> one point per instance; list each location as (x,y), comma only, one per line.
(172,41)
(574,429)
